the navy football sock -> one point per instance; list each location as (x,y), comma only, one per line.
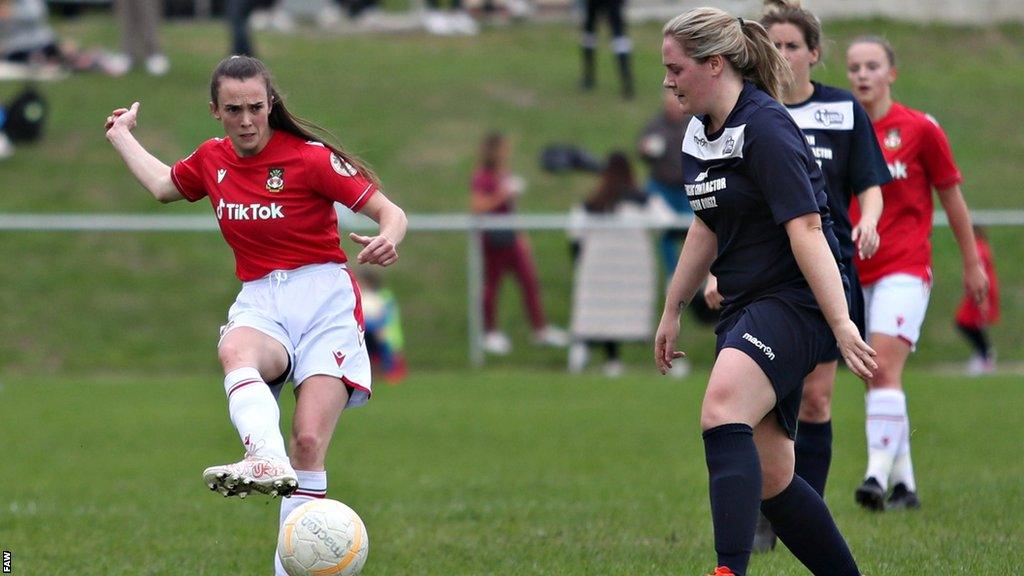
(734,474)
(803,523)
(814,453)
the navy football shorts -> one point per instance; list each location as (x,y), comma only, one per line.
(787,340)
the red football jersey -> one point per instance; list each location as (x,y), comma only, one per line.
(275,209)
(919,158)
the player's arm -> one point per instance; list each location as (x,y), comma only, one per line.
(975,279)
(695,259)
(865,233)
(822,273)
(381,249)
(153,174)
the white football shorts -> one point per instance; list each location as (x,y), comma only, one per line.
(315,312)
(896,305)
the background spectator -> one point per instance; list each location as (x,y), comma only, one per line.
(27,38)
(660,147)
(614,287)
(139,21)
(973,319)
(383,322)
(621,45)
(494,190)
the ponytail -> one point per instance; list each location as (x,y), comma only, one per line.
(766,67)
(280,118)
(704,32)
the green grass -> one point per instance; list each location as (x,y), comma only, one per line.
(415,106)
(494,472)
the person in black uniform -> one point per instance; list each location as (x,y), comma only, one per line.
(621,45)
(763,228)
(843,142)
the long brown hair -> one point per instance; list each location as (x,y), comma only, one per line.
(490,150)
(704,32)
(242,68)
(617,184)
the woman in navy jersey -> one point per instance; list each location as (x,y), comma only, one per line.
(841,138)
(763,229)
(897,280)
(273,183)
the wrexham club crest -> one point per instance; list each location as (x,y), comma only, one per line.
(275,180)
(892,139)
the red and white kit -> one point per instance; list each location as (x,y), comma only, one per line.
(276,212)
(920,160)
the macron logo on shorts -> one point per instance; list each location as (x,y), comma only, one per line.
(760,345)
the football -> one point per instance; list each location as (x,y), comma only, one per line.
(323,537)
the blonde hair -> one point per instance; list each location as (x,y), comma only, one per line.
(704,32)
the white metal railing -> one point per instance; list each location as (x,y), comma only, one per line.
(472,225)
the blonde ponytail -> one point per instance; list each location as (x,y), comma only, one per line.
(704,32)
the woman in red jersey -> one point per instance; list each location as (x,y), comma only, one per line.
(897,280)
(273,183)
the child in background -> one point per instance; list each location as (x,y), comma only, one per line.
(383,322)
(973,320)
(493,191)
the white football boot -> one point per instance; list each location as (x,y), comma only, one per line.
(254,473)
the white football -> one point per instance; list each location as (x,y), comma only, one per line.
(323,537)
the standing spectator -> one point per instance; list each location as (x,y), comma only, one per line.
(611,264)
(139,21)
(621,45)
(453,21)
(973,319)
(660,147)
(237,13)
(494,190)
(897,280)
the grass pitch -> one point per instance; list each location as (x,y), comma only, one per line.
(522,472)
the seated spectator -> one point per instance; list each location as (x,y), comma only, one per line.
(383,323)
(615,280)
(26,38)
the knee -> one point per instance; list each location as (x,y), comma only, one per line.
(816,406)
(714,414)
(231,355)
(308,450)
(885,377)
(774,479)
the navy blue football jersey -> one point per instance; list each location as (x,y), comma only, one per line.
(840,135)
(745,181)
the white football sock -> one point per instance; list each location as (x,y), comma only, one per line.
(903,468)
(886,427)
(255,413)
(312,486)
